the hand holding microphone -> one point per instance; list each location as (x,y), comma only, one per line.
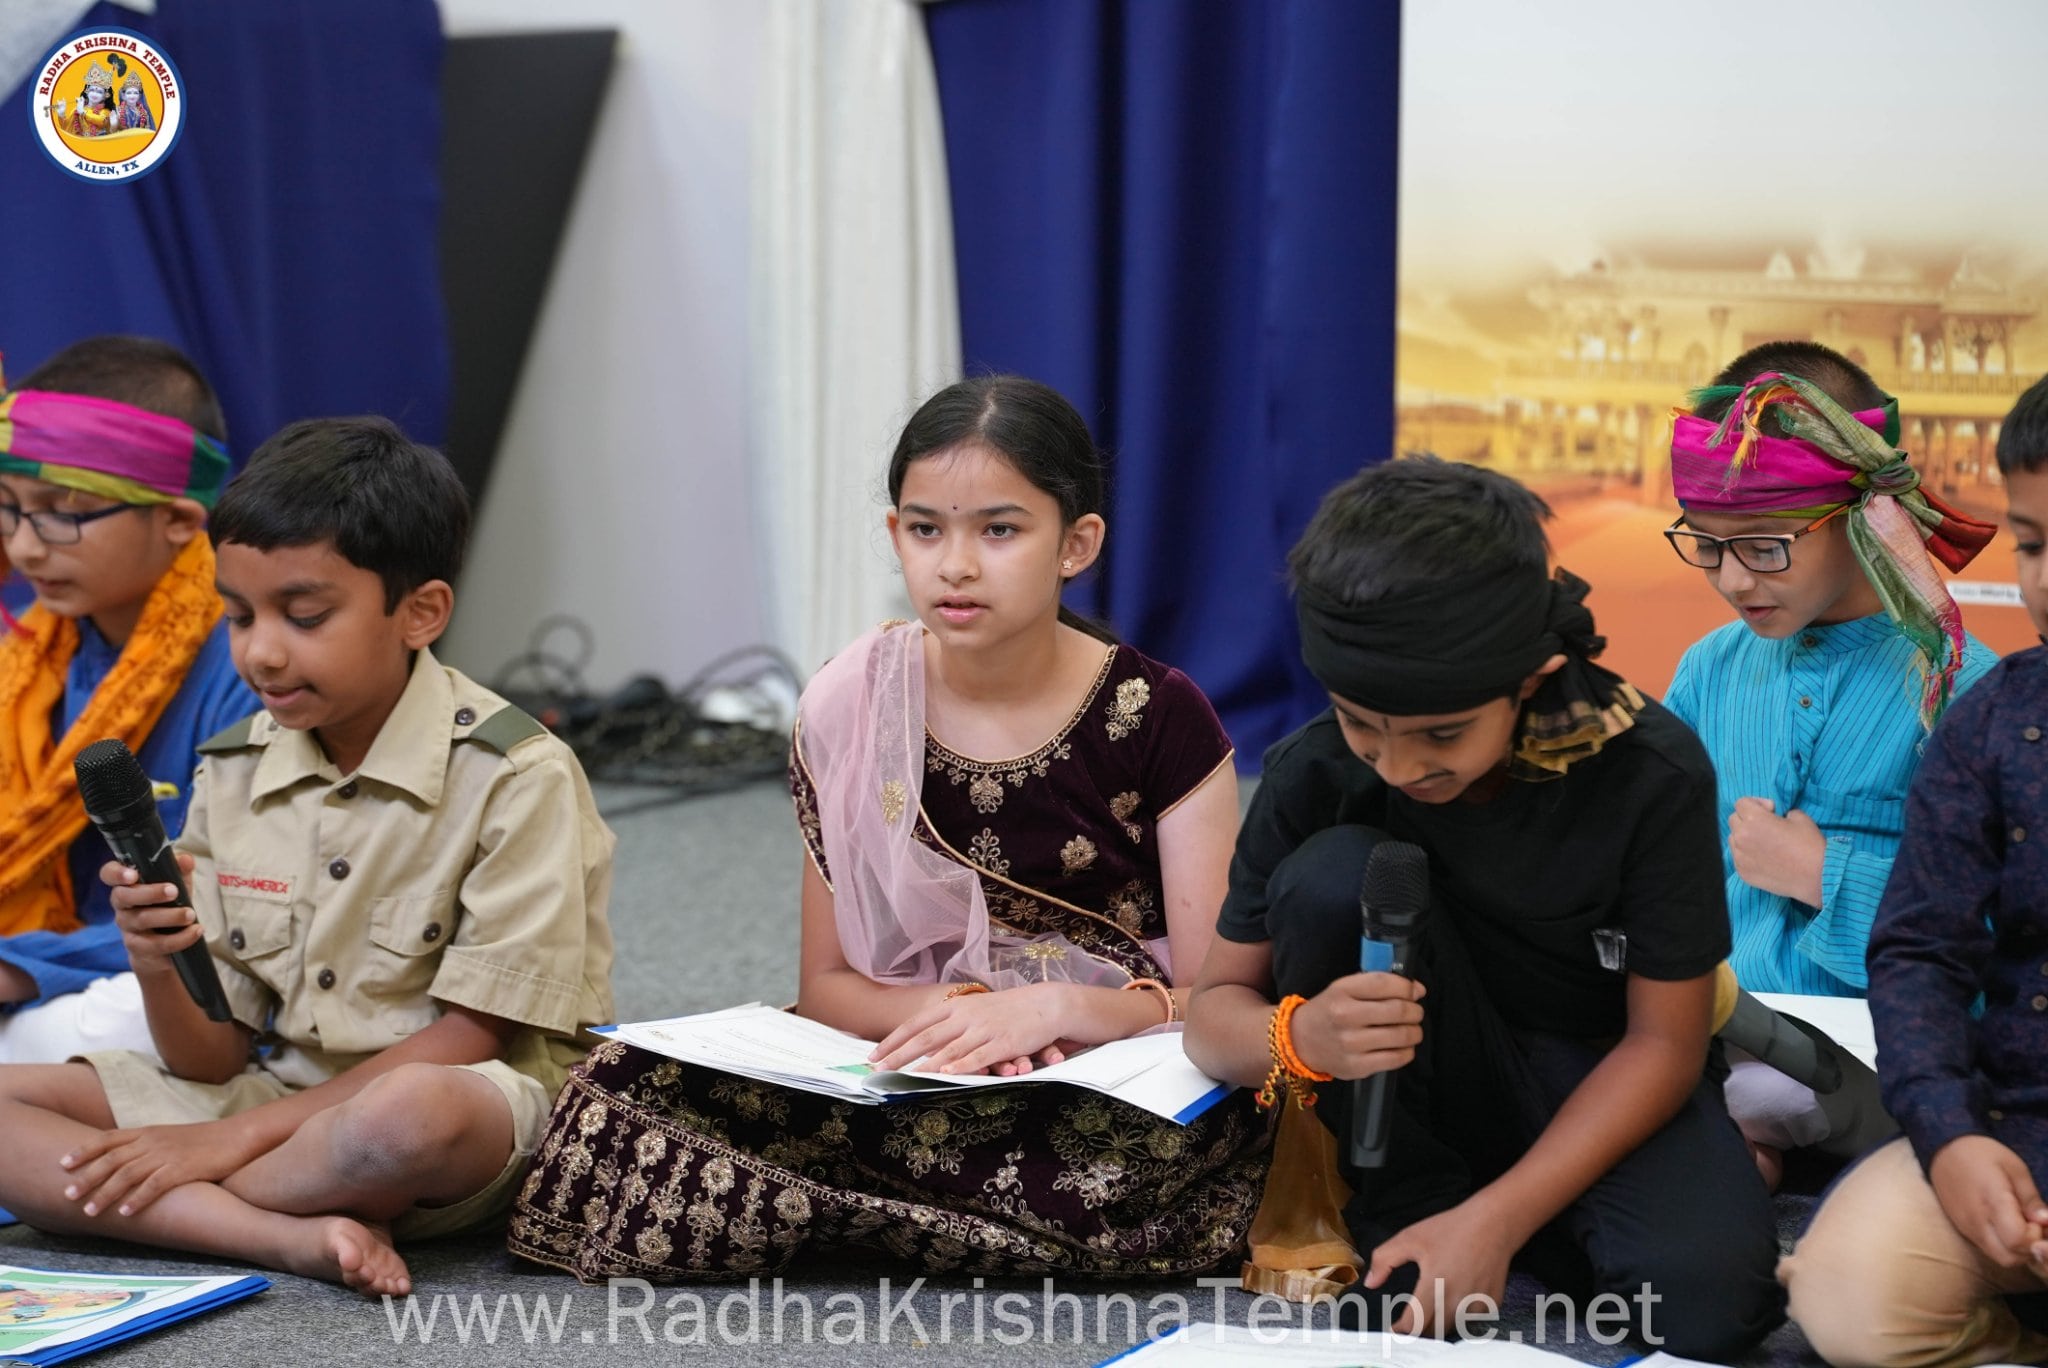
(1393,900)
(119,800)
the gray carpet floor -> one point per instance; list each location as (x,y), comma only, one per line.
(704,912)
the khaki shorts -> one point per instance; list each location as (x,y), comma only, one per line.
(140,1093)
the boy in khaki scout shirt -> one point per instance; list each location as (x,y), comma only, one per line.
(402,880)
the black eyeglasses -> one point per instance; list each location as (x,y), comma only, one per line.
(56,529)
(1765,553)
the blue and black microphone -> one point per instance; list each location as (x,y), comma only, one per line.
(1393,898)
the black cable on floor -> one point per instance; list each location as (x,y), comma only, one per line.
(645,734)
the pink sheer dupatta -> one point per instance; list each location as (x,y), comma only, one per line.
(906,912)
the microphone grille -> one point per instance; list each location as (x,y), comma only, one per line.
(1396,879)
(109,776)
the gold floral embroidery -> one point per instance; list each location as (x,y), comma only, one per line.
(702,1205)
(807,820)
(1121,807)
(652,1245)
(894,796)
(1046,953)
(1017,913)
(986,850)
(938,1136)
(1076,855)
(751,1100)
(1127,713)
(1111,1152)
(985,778)
(1132,905)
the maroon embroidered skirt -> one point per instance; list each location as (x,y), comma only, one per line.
(656,1169)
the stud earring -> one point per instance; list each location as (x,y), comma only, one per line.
(1067,566)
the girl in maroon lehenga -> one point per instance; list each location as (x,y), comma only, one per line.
(983,915)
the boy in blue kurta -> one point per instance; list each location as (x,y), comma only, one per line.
(1815,705)
(110,457)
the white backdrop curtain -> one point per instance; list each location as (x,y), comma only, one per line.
(855,312)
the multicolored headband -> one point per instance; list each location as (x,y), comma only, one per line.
(1764,474)
(115,450)
(1822,457)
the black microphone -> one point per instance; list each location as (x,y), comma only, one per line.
(1392,900)
(119,800)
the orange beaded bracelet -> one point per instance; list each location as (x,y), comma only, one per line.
(1288,1074)
(963,989)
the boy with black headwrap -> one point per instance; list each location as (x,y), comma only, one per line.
(1557,1100)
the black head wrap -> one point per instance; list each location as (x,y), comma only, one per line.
(1467,641)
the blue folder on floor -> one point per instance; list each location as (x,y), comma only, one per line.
(153,1305)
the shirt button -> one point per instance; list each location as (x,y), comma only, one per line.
(2019,834)
(1995,1114)
(347,790)
(1809,641)
(326,980)
(2032,733)
(464,716)
(238,940)
(338,868)
(2040,1002)
(1805,702)
(433,933)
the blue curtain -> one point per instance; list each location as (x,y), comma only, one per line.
(1181,214)
(289,243)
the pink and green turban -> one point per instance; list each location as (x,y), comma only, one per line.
(1786,449)
(107,448)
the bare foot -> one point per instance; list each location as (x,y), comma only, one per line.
(353,1253)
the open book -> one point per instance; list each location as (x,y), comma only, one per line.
(51,1317)
(1148,1071)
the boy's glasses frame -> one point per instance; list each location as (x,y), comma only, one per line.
(1762,553)
(53,527)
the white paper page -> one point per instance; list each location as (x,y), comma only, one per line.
(1152,1072)
(1099,1066)
(1168,1088)
(1846,1020)
(758,1040)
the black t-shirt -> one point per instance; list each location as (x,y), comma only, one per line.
(1627,841)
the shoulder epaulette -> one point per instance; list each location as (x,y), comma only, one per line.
(504,729)
(233,739)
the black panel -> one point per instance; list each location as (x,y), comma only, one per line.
(518,111)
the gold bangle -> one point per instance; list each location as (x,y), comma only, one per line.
(963,989)
(1154,985)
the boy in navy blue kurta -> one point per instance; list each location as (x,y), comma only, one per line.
(1914,1255)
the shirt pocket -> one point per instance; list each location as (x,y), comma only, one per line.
(254,930)
(410,926)
(408,931)
(1856,814)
